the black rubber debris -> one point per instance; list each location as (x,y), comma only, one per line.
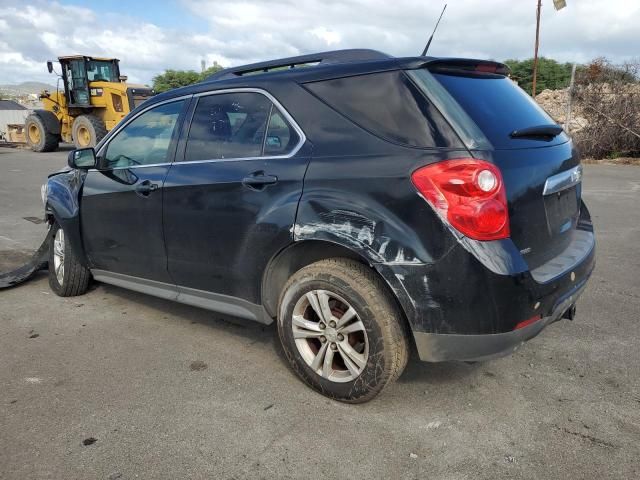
(35,220)
(22,274)
(89,441)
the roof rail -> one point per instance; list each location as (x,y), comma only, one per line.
(322,58)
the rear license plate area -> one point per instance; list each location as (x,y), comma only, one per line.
(561,209)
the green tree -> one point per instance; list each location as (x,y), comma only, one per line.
(171,79)
(551,74)
(216,67)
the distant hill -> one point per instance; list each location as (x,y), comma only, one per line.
(27,87)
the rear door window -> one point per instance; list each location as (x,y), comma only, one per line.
(238,125)
(229,125)
(389,105)
(281,137)
(498,107)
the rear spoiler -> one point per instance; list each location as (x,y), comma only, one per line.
(322,58)
(465,65)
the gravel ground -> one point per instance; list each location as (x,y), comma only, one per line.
(119,385)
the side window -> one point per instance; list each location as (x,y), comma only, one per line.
(390,106)
(281,137)
(146,140)
(228,125)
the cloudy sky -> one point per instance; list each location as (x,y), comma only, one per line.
(150,36)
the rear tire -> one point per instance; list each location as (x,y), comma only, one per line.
(361,355)
(38,138)
(87,131)
(67,276)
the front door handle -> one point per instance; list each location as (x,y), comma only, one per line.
(258,180)
(145,188)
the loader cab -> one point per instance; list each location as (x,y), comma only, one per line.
(79,71)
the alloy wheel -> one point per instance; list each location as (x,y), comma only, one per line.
(58,255)
(330,336)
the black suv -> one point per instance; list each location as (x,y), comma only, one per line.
(370,205)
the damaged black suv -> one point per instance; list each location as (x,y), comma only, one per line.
(370,205)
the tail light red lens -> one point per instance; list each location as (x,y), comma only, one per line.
(467,193)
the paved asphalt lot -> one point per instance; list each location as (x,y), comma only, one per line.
(170,391)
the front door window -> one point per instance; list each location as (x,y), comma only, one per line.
(146,140)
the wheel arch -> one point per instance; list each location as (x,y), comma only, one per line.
(305,252)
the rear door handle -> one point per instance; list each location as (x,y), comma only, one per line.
(258,180)
(145,188)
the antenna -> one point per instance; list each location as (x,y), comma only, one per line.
(424,52)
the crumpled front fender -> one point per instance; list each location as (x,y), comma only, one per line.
(63,203)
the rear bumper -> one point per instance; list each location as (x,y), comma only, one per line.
(436,347)
(468,304)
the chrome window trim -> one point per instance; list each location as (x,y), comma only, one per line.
(274,101)
(563,180)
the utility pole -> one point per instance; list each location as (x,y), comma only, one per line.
(535,54)
(558,5)
(567,119)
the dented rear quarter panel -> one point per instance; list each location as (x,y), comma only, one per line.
(358,193)
(368,204)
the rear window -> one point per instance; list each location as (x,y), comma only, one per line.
(390,106)
(498,107)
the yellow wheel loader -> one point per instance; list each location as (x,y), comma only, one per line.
(94,98)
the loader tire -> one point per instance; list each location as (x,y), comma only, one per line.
(39,139)
(87,131)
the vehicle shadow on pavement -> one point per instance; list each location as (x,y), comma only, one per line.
(253,332)
(416,372)
(437,373)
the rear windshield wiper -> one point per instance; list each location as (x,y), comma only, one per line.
(545,131)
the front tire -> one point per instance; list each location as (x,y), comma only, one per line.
(87,131)
(67,276)
(341,330)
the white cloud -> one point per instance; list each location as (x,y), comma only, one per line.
(329,36)
(246,31)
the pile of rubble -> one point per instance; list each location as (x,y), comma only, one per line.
(555,104)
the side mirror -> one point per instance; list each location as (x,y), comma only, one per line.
(50,66)
(82,158)
(123,78)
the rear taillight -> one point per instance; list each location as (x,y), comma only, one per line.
(469,194)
